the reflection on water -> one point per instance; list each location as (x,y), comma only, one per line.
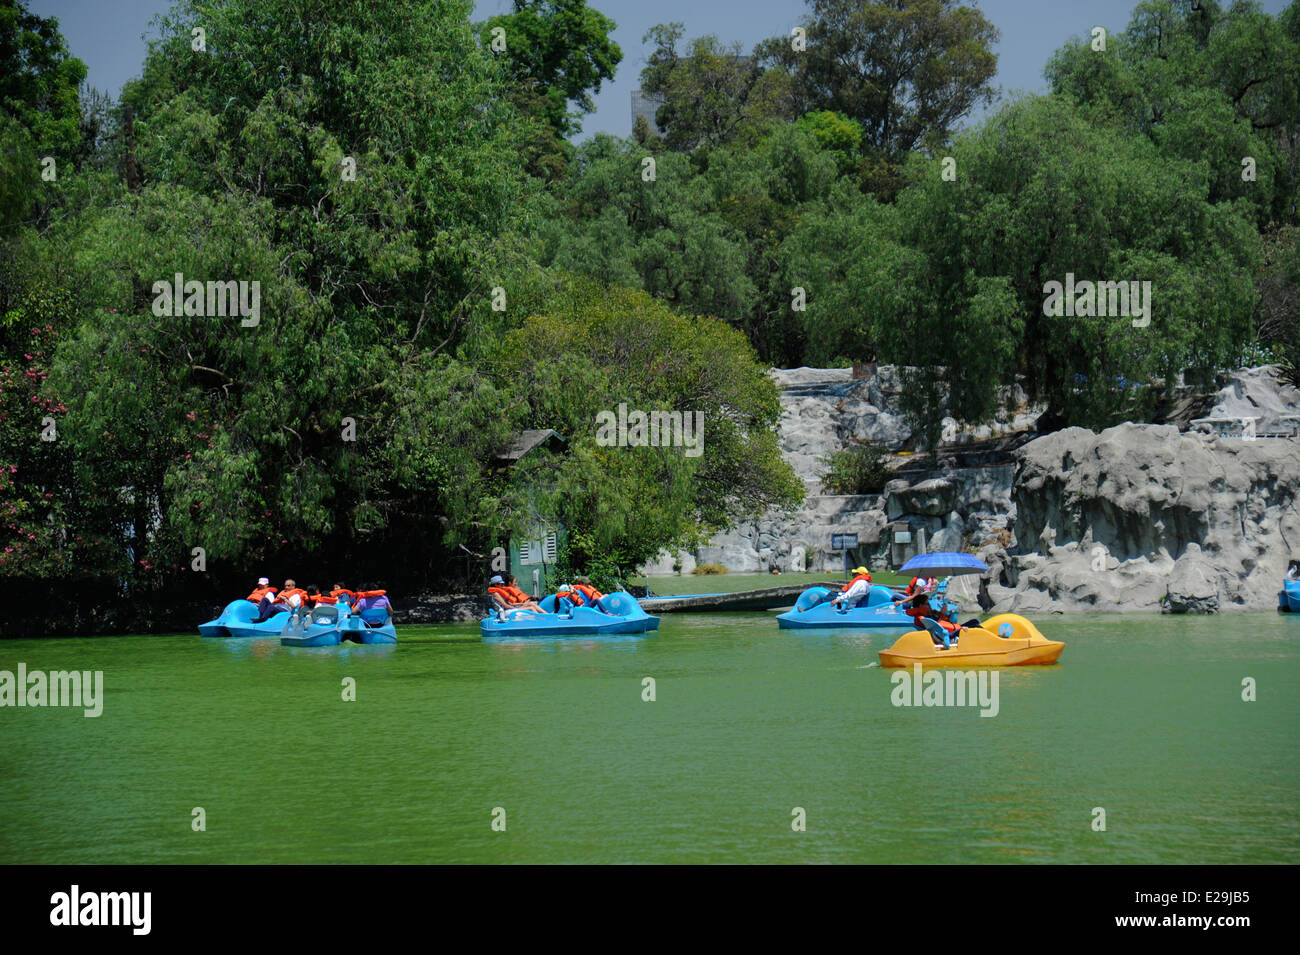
(1143,717)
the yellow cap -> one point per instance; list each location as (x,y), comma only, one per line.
(860,570)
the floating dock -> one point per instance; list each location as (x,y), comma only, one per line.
(769,598)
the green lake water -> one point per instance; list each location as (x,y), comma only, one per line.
(1143,717)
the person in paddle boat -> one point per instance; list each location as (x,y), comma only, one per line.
(264,596)
(566,599)
(589,593)
(933,605)
(273,603)
(506,596)
(260,592)
(854,592)
(916,586)
(371,597)
(292,598)
(340,593)
(919,606)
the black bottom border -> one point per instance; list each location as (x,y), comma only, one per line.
(335,903)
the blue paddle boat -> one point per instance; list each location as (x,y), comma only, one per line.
(328,625)
(1288,598)
(619,613)
(237,621)
(814,611)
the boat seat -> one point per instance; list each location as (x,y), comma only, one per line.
(937,632)
(325,613)
(374,616)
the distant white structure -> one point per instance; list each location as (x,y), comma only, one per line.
(647,105)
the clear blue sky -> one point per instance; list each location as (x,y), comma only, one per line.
(107,35)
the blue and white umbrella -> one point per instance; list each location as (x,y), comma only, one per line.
(945,564)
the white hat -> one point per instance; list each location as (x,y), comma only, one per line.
(563,588)
(496,580)
(263,582)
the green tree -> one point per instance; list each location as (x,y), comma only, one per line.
(702,240)
(713,93)
(595,347)
(1278,286)
(907,71)
(556,55)
(1024,211)
(39,110)
(231,437)
(857,469)
(38,79)
(1212,86)
(663,235)
(838,135)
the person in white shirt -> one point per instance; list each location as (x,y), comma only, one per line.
(855,592)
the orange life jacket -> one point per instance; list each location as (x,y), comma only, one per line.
(511,595)
(574,597)
(845,588)
(284,597)
(348,594)
(369,593)
(260,592)
(916,612)
(942,620)
(321,599)
(591,593)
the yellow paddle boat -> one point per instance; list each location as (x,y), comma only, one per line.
(1007,640)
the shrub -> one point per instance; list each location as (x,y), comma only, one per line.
(860,469)
(709,569)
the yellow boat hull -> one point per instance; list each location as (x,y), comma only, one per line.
(977,647)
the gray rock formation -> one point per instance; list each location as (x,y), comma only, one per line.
(791,542)
(1143,517)
(1194,584)
(1260,394)
(1138,517)
(822,411)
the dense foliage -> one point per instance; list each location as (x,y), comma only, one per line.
(362,167)
(840,217)
(437,268)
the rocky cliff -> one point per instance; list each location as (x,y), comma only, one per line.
(1144,517)
(824,410)
(1138,517)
